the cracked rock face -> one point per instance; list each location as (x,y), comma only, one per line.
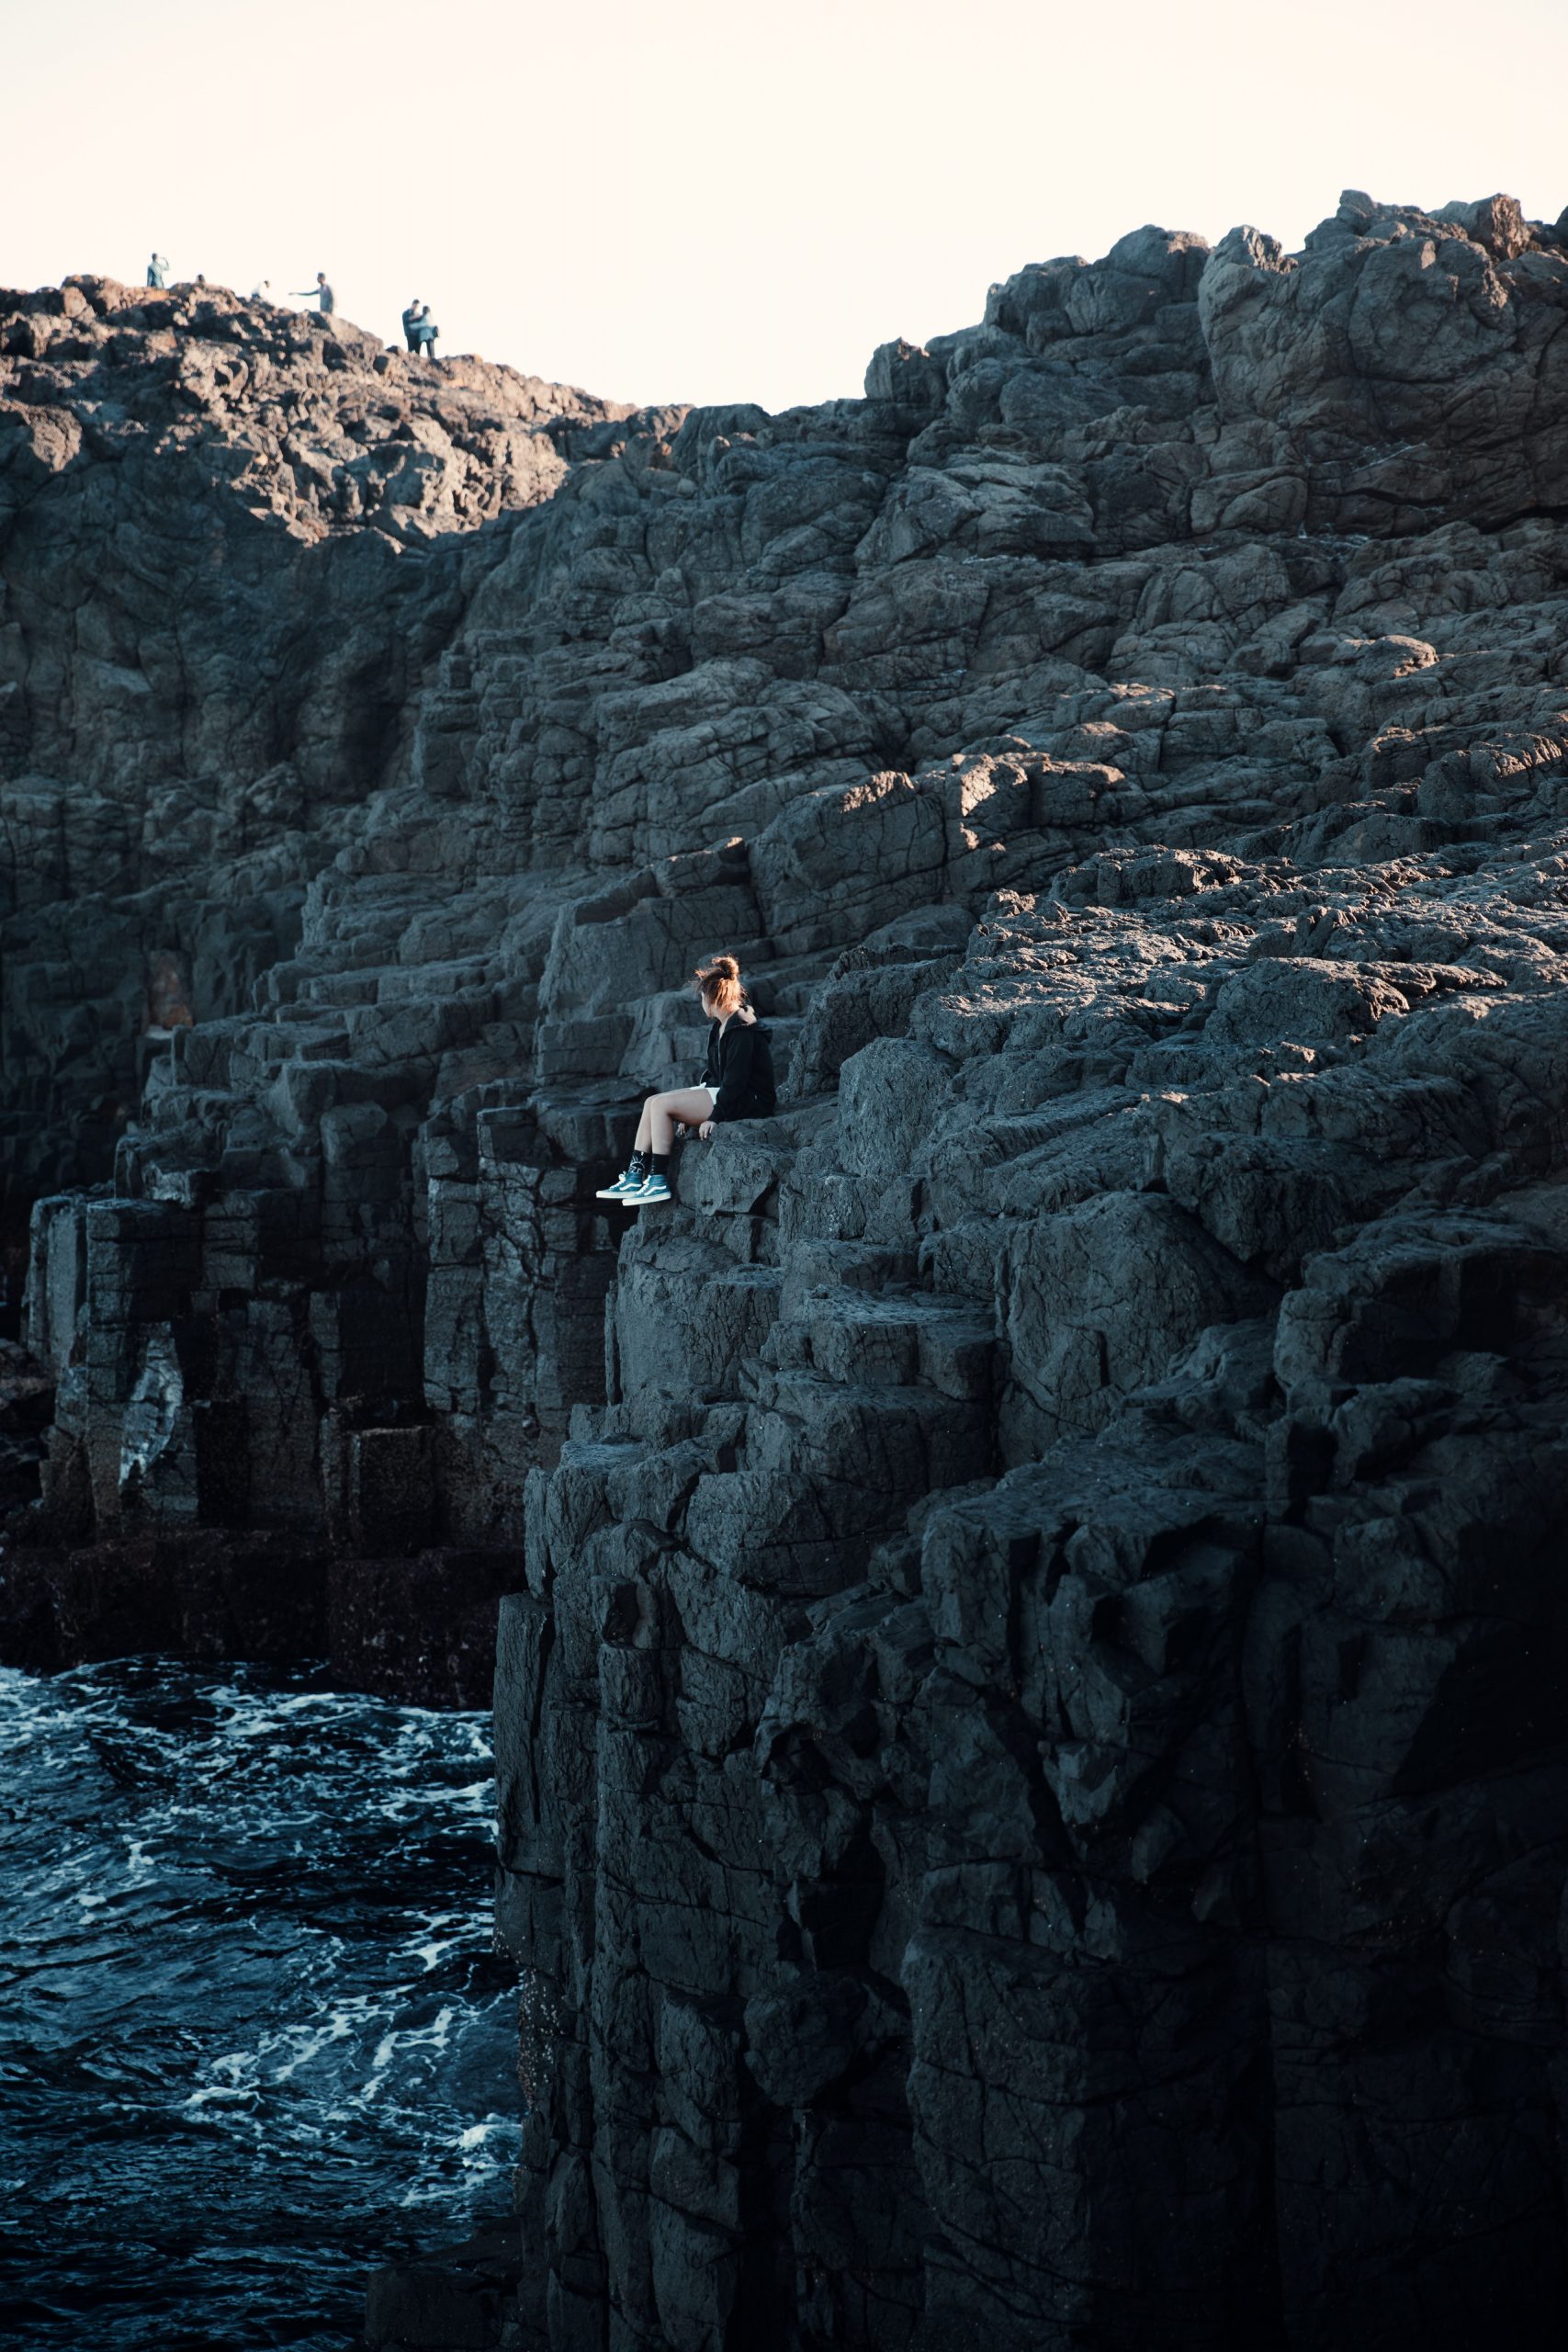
(1031,1683)
(222,575)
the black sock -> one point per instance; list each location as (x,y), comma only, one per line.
(659,1164)
(637,1164)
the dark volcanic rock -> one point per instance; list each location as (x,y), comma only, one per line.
(1035,1803)
(220,579)
(27,1407)
(199,1595)
(460,2299)
(422,1629)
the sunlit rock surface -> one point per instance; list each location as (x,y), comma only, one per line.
(1032,1690)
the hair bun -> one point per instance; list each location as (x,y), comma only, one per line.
(719,983)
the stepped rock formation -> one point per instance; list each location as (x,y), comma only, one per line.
(1032,1672)
(207,646)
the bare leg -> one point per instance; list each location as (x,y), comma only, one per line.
(656,1128)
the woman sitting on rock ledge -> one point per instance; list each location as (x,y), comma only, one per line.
(738,1083)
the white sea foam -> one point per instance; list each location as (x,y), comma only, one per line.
(241,1918)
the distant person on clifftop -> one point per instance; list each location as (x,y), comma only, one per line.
(321,292)
(411,317)
(158,271)
(426,330)
(738,1083)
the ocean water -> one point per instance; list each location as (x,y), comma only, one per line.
(253,2037)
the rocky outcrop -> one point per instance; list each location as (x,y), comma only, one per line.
(225,537)
(1030,1714)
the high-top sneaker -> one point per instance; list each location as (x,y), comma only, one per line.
(625,1186)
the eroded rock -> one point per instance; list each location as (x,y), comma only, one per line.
(1030,1715)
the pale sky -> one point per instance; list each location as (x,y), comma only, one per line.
(717,203)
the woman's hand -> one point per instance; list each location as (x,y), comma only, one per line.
(706,1131)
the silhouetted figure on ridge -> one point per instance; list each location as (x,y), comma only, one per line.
(158,270)
(321,292)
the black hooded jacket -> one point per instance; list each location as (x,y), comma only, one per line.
(739,1067)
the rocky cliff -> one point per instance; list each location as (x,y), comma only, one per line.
(208,647)
(1030,1682)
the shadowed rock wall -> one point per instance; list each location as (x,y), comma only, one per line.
(1031,1708)
(223,567)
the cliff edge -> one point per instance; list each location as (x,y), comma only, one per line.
(1032,1665)
(224,536)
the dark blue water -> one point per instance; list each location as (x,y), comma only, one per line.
(253,2039)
